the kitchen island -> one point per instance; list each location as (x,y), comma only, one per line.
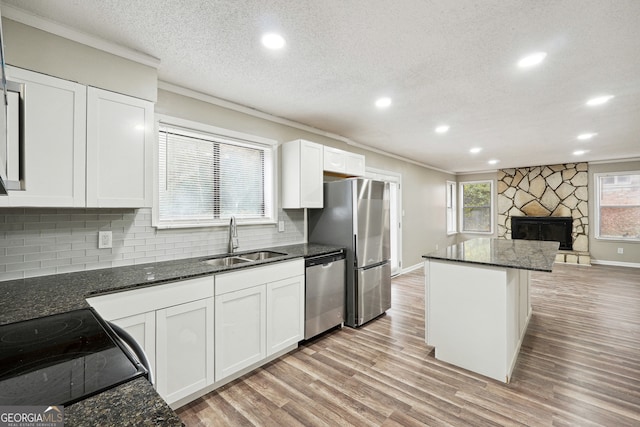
(477,301)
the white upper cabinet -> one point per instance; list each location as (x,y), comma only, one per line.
(119,150)
(355,164)
(343,162)
(54,134)
(302,163)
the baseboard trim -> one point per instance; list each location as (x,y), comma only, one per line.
(615,263)
(411,268)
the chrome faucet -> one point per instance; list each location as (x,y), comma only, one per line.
(233,235)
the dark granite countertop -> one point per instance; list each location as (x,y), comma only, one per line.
(25,299)
(521,254)
(136,402)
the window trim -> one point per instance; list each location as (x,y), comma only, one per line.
(596,206)
(461,206)
(189,125)
(453,227)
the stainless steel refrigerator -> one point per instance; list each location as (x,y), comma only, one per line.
(356,216)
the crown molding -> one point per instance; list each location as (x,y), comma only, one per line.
(603,162)
(35,21)
(170,87)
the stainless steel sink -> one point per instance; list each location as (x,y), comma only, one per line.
(260,255)
(230,260)
(226,261)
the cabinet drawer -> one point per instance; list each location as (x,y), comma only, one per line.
(246,278)
(128,303)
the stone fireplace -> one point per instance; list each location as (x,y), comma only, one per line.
(547,191)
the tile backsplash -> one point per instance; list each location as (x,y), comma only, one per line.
(38,242)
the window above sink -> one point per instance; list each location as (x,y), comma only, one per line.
(208,174)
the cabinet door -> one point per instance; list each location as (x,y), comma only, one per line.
(54,135)
(334,160)
(184,349)
(285,313)
(142,327)
(302,174)
(119,150)
(354,164)
(240,330)
(311,158)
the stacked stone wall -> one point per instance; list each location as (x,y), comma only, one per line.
(555,190)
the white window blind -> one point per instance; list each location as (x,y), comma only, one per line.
(205,178)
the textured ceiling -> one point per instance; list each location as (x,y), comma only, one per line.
(440,61)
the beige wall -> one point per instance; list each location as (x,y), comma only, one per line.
(37,50)
(423,189)
(607,250)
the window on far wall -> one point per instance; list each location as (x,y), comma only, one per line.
(476,212)
(618,205)
(204,178)
(452,213)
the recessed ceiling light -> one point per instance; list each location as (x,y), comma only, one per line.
(585,136)
(273,41)
(383,102)
(531,60)
(475,150)
(442,129)
(493,161)
(579,152)
(599,100)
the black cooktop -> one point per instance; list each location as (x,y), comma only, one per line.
(61,359)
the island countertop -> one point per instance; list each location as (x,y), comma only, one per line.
(520,254)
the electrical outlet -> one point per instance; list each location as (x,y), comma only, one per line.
(620,251)
(280,226)
(436,247)
(105,239)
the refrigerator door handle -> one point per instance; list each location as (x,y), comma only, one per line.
(355,250)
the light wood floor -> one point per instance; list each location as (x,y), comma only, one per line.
(579,366)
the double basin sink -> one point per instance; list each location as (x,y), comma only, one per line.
(229,260)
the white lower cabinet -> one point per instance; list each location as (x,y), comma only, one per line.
(184,349)
(142,327)
(285,313)
(197,335)
(259,311)
(174,325)
(240,330)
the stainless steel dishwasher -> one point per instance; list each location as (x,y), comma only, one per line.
(324,293)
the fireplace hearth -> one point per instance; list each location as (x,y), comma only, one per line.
(548,228)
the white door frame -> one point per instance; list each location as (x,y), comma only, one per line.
(395,177)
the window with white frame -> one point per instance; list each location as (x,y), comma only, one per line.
(617,207)
(452,213)
(476,210)
(206,175)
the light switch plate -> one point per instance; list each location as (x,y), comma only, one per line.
(105,239)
